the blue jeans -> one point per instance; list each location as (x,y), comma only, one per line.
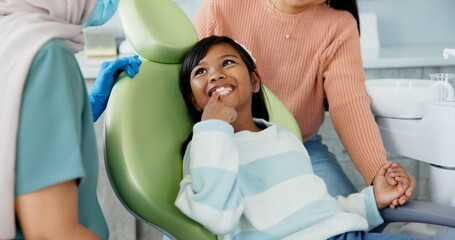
(326,166)
(370,236)
(361,236)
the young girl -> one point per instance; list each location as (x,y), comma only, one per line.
(247,178)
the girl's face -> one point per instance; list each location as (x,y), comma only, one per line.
(223,70)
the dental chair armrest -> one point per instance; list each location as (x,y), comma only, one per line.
(419,211)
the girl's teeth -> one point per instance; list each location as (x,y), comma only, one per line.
(222,90)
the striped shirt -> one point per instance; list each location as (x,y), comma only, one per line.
(260,185)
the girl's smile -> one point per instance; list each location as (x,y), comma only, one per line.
(223,90)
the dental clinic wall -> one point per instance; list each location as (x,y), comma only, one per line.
(413,22)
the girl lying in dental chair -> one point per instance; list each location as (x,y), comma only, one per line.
(247,178)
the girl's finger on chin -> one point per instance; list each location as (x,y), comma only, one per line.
(215,96)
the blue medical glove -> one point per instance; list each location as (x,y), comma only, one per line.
(105,80)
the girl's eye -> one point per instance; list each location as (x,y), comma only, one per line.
(199,71)
(227,62)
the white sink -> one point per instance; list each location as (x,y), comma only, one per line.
(405,98)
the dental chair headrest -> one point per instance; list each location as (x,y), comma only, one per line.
(153,34)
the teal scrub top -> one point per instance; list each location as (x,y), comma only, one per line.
(56,138)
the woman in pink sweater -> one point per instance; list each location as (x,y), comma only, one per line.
(309,53)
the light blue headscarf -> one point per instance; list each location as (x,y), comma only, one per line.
(103,11)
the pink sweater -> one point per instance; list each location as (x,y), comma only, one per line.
(306,59)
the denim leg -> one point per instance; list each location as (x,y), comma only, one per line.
(358,235)
(326,166)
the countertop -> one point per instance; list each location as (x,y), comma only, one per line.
(385,57)
(404,57)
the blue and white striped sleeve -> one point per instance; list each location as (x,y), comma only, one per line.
(209,192)
(363,204)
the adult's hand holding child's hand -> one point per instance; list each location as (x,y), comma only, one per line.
(386,193)
(390,175)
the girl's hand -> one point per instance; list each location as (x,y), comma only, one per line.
(216,109)
(386,193)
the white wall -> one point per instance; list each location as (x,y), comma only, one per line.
(413,22)
(188,6)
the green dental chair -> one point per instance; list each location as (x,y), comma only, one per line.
(146,121)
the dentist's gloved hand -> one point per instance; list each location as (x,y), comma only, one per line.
(105,80)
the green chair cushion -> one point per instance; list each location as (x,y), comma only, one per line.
(146,123)
(157,29)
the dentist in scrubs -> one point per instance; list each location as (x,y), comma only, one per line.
(48,155)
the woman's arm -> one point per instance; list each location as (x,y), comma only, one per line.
(349,105)
(51,213)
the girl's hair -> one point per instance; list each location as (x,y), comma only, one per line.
(348,5)
(197,53)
